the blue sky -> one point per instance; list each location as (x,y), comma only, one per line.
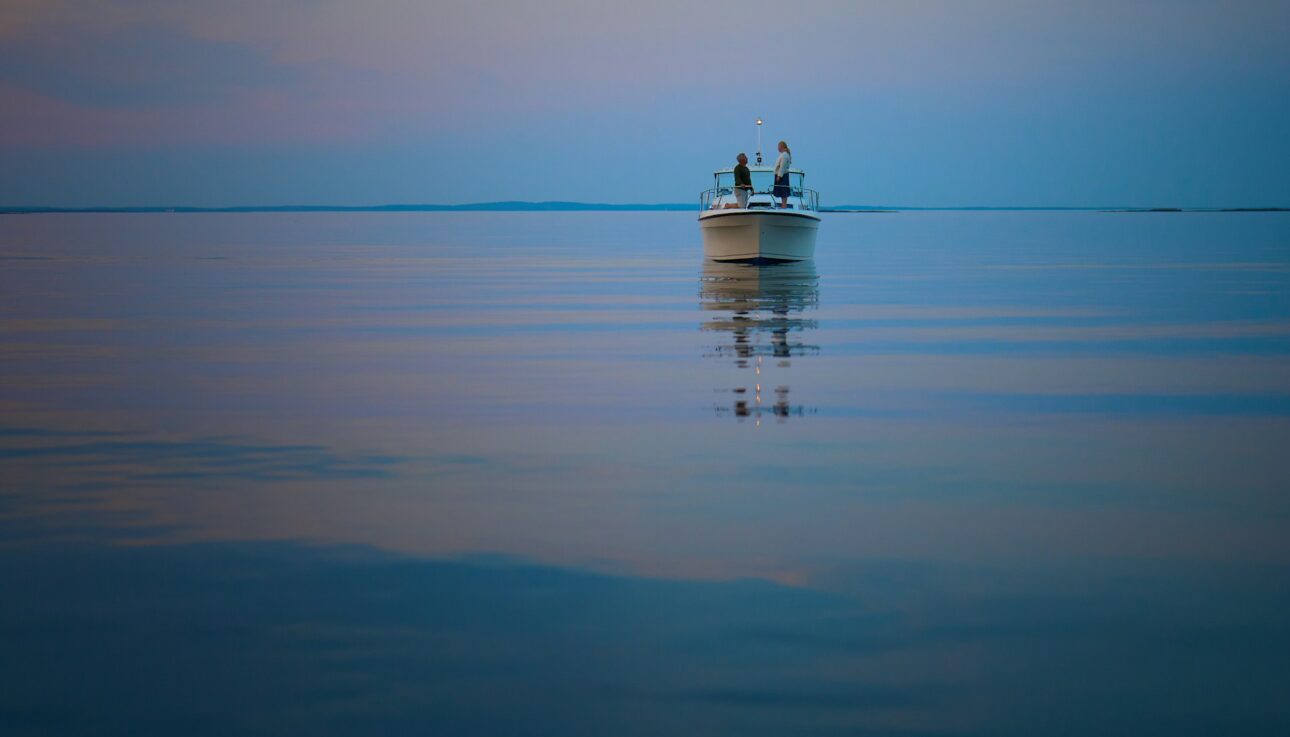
(134,102)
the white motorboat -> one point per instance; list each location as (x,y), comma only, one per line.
(759,231)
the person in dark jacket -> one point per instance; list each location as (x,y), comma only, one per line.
(743,181)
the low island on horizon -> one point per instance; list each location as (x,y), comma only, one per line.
(570,206)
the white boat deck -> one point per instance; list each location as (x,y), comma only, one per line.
(762,230)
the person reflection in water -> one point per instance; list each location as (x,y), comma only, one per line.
(743,181)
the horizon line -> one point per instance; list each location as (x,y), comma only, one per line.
(570,205)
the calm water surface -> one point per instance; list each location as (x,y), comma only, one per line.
(549,474)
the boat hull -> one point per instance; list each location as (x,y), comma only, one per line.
(758,235)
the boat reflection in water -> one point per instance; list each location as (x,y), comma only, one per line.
(759,315)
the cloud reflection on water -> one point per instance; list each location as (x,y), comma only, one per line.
(283,639)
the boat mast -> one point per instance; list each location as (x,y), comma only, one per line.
(759,142)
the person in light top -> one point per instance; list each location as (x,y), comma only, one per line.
(782,165)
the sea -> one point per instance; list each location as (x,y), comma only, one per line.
(551,473)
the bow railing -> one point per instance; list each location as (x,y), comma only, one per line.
(799,198)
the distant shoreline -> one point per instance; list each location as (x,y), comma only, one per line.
(584,207)
(519,207)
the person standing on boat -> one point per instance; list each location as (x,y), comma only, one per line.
(743,181)
(782,165)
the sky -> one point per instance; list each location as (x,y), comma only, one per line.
(931,104)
